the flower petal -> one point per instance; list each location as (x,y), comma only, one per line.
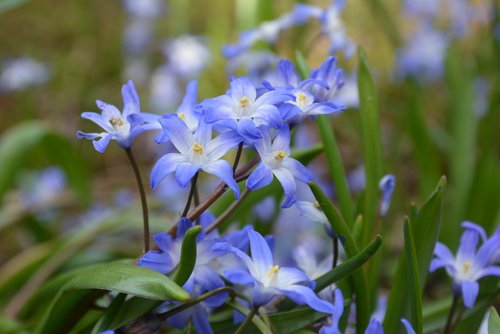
(178,133)
(408,326)
(303,295)
(131,104)
(298,170)
(239,276)
(99,120)
(219,146)
(101,144)
(185,172)
(242,87)
(469,292)
(223,170)
(274,97)
(289,187)
(164,166)
(260,177)
(261,253)
(247,129)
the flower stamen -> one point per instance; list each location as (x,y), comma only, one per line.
(116,122)
(244,101)
(280,155)
(197,148)
(273,270)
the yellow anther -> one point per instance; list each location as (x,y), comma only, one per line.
(316,205)
(244,101)
(467,266)
(181,116)
(280,155)
(198,148)
(301,97)
(116,122)
(273,270)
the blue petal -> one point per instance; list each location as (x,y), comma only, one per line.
(157,261)
(468,244)
(101,144)
(178,133)
(261,253)
(200,320)
(268,115)
(98,119)
(274,97)
(303,295)
(288,110)
(289,187)
(260,177)
(242,87)
(282,140)
(297,170)
(248,130)
(223,170)
(287,73)
(239,276)
(185,172)
(469,292)
(374,327)
(164,166)
(130,99)
(90,136)
(409,328)
(219,146)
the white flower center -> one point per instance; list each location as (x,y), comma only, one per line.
(121,127)
(274,160)
(245,107)
(271,275)
(198,155)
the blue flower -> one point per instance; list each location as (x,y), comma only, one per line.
(334,29)
(275,160)
(332,76)
(268,279)
(120,126)
(186,111)
(468,266)
(313,212)
(338,309)
(241,110)
(197,152)
(386,186)
(304,104)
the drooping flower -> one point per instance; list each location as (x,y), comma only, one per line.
(197,152)
(468,266)
(386,187)
(313,212)
(120,126)
(275,159)
(268,279)
(243,111)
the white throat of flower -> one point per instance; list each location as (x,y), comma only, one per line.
(270,277)
(120,126)
(198,155)
(245,107)
(275,159)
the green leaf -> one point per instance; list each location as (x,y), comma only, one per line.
(115,276)
(111,312)
(336,167)
(132,309)
(188,256)
(493,321)
(370,123)
(301,64)
(290,321)
(351,249)
(19,143)
(426,224)
(346,268)
(414,283)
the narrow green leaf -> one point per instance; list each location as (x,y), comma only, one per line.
(132,309)
(301,64)
(386,20)
(351,249)
(493,321)
(188,256)
(414,283)
(426,224)
(336,167)
(370,123)
(346,268)
(290,321)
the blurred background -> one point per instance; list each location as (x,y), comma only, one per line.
(436,70)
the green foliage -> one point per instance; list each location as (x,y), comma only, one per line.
(188,256)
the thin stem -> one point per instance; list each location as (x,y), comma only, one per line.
(335,251)
(190,303)
(457,319)
(190,196)
(247,320)
(237,158)
(449,322)
(142,192)
(228,212)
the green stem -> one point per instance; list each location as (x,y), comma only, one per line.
(142,192)
(247,320)
(335,251)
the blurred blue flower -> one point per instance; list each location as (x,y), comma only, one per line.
(165,91)
(468,266)
(241,110)
(275,160)
(21,73)
(197,152)
(422,57)
(144,8)
(187,56)
(338,309)
(334,29)
(268,280)
(386,187)
(45,188)
(120,126)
